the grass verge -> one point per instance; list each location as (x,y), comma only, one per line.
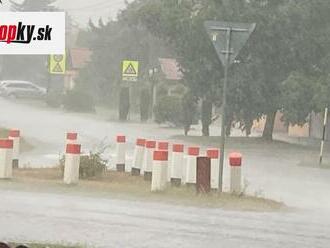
(123,186)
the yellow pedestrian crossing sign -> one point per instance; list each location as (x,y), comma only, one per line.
(130,70)
(57,64)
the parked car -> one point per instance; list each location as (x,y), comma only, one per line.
(21,89)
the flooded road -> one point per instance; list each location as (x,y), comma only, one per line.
(116,223)
(43,217)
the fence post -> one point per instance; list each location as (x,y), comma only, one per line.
(214,155)
(138,157)
(177,164)
(190,179)
(14,135)
(6,158)
(235,161)
(203,175)
(159,171)
(71,138)
(72,162)
(121,153)
(148,159)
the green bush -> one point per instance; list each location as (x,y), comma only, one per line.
(169,109)
(91,166)
(78,101)
(145,100)
(124,104)
(54,99)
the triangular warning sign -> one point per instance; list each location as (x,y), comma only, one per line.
(130,70)
(239,35)
(57,68)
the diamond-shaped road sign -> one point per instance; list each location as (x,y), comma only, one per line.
(224,33)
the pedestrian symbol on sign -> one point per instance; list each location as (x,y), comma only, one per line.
(57,64)
(130,70)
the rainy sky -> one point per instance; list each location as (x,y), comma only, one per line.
(82,10)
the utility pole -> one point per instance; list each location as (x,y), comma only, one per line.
(325,121)
(152,75)
(222,35)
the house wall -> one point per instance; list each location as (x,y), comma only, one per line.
(279,125)
(317,126)
(299,131)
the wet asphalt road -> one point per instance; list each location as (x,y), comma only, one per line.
(32,216)
(118,223)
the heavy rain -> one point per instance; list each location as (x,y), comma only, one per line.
(164,123)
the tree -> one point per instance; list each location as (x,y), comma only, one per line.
(298,93)
(111,43)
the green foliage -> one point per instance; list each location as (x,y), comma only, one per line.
(162,90)
(189,111)
(91,166)
(169,109)
(297,98)
(290,36)
(78,101)
(145,100)
(124,103)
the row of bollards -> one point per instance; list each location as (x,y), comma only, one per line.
(178,169)
(154,160)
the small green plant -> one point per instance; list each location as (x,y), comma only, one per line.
(91,166)
(169,109)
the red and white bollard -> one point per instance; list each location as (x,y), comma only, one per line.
(148,159)
(14,135)
(71,138)
(191,166)
(72,162)
(162,146)
(159,171)
(177,164)
(214,155)
(138,157)
(6,157)
(235,162)
(121,153)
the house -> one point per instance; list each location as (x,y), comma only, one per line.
(170,69)
(312,129)
(77,59)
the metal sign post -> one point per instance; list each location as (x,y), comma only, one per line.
(325,121)
(228,39)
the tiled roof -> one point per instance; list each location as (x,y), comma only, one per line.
(80,57)
(170,68)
